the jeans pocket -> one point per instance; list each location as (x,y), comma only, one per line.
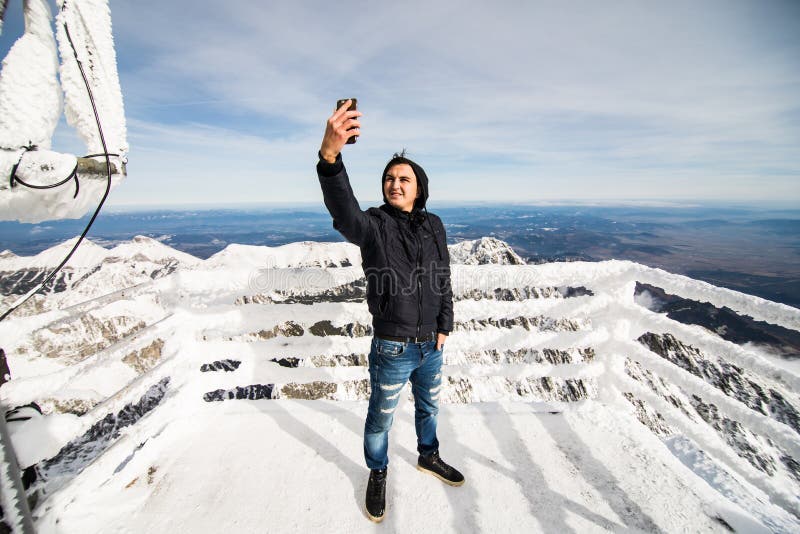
(390,348)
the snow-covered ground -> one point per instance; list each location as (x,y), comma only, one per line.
(296,466)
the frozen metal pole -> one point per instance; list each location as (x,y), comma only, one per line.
(16,513)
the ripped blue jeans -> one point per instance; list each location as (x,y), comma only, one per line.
(391,365)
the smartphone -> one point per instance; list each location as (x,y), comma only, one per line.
(340,103)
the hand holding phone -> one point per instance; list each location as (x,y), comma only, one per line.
(353,107)
(342,128)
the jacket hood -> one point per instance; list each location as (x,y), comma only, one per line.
(419,172)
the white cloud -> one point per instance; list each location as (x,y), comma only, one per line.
(632,100)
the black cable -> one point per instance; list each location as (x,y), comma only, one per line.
(108,182)
(98,155)
(14,180)
(74,174)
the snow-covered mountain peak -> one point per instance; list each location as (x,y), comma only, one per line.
(87,255)
(143,247)
(486,250)
(300,254)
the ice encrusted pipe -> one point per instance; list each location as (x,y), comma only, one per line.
(13,499)
(30,98)
(89,23)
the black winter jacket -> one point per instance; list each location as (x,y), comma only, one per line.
(404,257)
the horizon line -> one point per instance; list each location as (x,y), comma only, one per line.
(777,204)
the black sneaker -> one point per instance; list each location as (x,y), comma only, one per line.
(376,495)
(437,467)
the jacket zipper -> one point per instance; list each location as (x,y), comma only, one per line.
(419,282)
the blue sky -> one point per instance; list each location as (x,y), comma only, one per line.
(522,101)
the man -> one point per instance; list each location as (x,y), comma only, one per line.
(405,259)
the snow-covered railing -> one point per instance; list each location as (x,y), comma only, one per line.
(230,306)
(617,322)
(13,500)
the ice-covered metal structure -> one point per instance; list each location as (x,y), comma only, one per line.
(37,183)
(41,80)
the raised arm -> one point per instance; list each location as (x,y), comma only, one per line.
(348,218)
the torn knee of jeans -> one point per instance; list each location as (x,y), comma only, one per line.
(435,390)
(392,387)
(388,410)
(393,397)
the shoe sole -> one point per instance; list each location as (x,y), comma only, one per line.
(440,477)
(373,518)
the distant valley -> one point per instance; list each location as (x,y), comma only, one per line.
(756,251)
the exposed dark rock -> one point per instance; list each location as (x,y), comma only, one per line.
(22,281)
(288,329)
(336,360)
(86,275)
(728,378)
(759,451)
(724,523)
(725,322)
(539,323)
(579,291)
(792,466)
(29,476)
(355,389)
(287,362)
(781,410)
(252,392)
(150,472)
(5,371)
(170,267)
(554,389)
(326,328)
(744,442)
(649,417)
(659,386)
(221,365)
(309,390)
(80,336)
(146,358)
(79,452)
(458,389)
(484,251)
(74,406)
(355,291)
(519,294)
(485,357)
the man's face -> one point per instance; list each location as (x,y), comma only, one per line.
(400,186)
